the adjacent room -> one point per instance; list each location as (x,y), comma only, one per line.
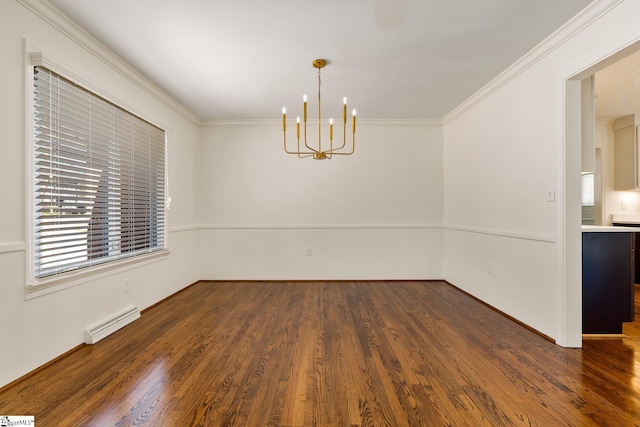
(361,212)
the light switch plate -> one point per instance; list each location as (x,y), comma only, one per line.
(551,194)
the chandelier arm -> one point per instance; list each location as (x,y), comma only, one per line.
(304,111)
(284,134)
(344,141)
(333,150)
(353,144)
(305,139)
(306,153)
(313,150)
(300,154)
(293,152)
(353,148)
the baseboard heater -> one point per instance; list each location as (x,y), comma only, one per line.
(96,333)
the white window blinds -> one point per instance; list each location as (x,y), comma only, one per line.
(99,179)
(588,194)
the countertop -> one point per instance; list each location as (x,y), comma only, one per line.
(609,229)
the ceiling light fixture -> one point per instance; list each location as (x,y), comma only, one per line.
(319,153)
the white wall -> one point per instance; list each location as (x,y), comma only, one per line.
(614,201)
(503,150)
(374,215)
(34,331)
(251,211)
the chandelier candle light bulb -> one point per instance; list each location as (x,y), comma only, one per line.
(344,109)
(304,100)
(331,129)
(284,119)
(319,153)
(353,113)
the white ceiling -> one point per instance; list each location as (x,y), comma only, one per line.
(394,59)
(617,88)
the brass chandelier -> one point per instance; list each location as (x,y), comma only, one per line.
(321,153)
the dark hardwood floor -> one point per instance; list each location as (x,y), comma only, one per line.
(332,354)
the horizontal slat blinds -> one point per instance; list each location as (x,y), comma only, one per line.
(588,194)
(99,179)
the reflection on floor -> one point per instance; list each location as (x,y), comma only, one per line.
(632,329)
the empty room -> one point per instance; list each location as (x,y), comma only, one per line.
(286,213)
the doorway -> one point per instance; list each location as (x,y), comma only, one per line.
(584,117)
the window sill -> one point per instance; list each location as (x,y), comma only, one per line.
(48,285)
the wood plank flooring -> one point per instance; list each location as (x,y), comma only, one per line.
(332,354)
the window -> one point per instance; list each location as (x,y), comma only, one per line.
(588,193)
(99,179)
(588,199)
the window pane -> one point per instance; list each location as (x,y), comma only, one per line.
(99,179)
(588,190)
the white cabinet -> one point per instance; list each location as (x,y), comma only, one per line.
(626,152)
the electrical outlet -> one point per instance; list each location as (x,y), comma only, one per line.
(490,267)
(127,285)
(309,252)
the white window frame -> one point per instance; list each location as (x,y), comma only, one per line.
(35,287)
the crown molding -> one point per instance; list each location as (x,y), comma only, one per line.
(605,121)
(401,122)
(572,27)
(73,31)
(240,122)
(361,122)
